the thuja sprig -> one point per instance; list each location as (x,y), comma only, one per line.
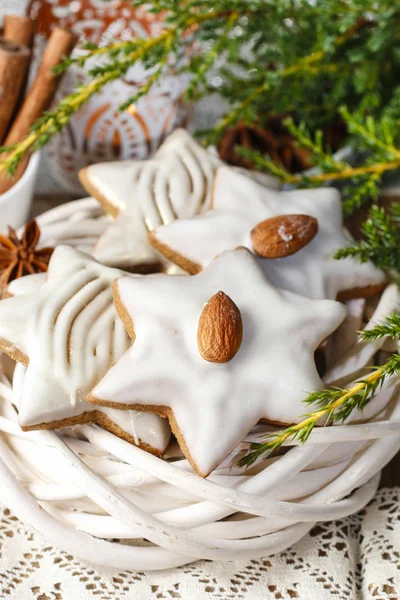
(378,138)
(310,65)
(265,163)
(335,405)
(94,51)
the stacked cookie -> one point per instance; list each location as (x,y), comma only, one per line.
(220,333)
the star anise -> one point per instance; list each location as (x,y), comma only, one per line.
(20,257)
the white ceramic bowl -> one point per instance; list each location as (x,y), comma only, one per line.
(15,205)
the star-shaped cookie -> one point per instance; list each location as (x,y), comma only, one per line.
(66,331)
(216,353)
(239,205)
(141,195)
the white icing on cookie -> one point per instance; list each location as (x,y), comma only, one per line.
(78,223)
(70,332)
(30,284)
(240,203)
(215,405)
(141,426)
(175,184)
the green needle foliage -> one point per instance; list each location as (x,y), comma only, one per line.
(381,240)
(334,405)
(376,140)
(264,57)
(389,328)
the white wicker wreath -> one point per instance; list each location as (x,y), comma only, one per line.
(106,501)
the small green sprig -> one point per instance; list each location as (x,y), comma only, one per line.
(380,243)
(388,328)
(335,405)
(315,144)
(265,163)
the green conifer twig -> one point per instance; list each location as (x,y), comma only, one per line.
(335,406)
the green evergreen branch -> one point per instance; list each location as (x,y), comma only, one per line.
(265,163)
(316,146)
(363,181)
(123,56)
(53,122)
(389,328)
(93,51)
(276,58)
(361,189)
(380,243)
(376,136)
(335,405)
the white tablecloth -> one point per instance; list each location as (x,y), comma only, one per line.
(357,558)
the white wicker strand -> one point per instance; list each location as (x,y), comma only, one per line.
(361,353)
(79,544)
(293,510)
(65,213)
(233,499)
(145,525)
(108,527)
(370,462)
(54,436)
(287,455)
(98,551)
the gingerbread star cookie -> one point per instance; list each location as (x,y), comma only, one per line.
(65,330)
(295,235)
(141,195)
(216,353)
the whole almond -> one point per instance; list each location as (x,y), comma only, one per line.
(283,235)
(220,329)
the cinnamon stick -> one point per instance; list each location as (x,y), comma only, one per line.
(39,97)
(19,30)
(14,63)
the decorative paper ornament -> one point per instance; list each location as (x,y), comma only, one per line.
(99,132)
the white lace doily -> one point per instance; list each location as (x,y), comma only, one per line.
(357,558)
